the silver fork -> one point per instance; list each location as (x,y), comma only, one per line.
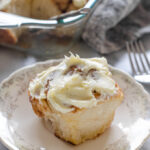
(139,61)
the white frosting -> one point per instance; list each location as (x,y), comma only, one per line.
(72,83)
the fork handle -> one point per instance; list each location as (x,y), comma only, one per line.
(143,31)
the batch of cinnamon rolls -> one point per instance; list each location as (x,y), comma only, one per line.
(39,9)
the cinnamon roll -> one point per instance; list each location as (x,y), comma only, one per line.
(78,96)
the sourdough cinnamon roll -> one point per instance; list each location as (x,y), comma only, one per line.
(78,96)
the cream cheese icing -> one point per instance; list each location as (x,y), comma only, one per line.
(73,83)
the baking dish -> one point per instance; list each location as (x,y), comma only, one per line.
(48,40)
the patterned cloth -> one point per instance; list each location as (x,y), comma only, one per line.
(108,28)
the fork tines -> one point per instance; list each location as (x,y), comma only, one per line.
(138,59)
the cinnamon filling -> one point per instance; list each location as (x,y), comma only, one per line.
(96,94)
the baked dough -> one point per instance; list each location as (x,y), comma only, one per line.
(39,9)
(78,96)
(20,7)
(44,9)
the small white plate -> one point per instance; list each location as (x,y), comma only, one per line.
(21,129)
